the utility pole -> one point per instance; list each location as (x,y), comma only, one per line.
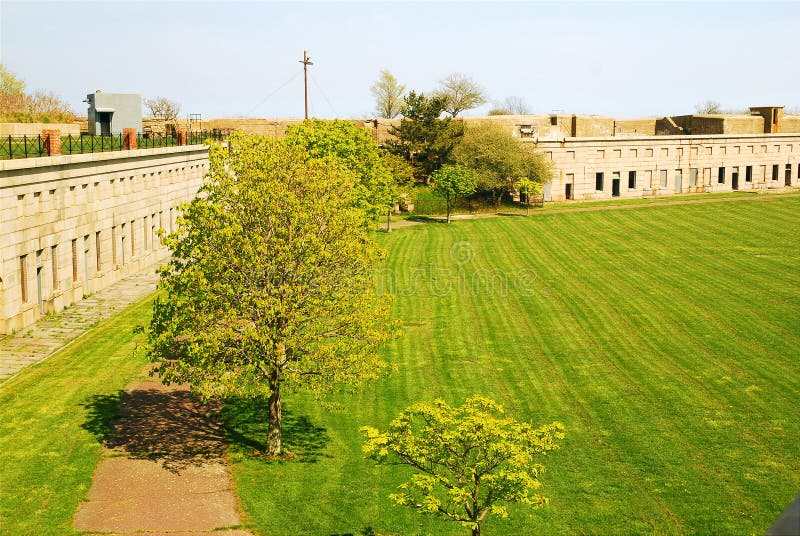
(306,61)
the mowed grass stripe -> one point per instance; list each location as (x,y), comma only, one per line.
(677,420)
(604,393)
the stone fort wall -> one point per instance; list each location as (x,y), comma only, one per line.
(73,224)
(604,168)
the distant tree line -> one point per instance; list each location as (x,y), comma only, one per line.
(19,106)
(481,159)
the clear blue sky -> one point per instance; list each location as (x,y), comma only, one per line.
(224,59)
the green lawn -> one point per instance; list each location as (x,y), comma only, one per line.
(51,418)
(666,339)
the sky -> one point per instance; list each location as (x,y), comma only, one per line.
(241,59)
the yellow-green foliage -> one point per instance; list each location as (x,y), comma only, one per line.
(270,282)
(469,461)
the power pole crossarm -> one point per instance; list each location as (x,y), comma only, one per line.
(306,61)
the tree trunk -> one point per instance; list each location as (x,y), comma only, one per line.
(274,428)
(389,221)
(448,212)
(476,531)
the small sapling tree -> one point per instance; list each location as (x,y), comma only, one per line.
(469,461)
(528,188)
(453,182)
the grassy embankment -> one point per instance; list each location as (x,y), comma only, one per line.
(49,417)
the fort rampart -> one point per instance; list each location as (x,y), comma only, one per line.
(73,224)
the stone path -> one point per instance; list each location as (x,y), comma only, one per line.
(163,471)
(788,524)
(53,332)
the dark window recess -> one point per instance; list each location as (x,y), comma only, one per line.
(598,182)
(97,242)
(23,277)
(775,171)
(748,174)
(788,175)
(554,120)
(74,260)
(721,175)
(631,179)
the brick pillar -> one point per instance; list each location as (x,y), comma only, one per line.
(51,141)
(129,138)
(180,134)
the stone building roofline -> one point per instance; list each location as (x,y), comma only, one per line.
(690,139)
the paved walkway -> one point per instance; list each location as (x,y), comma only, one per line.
(163,470)
(53,332)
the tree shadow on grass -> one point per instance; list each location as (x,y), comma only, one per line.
(427,219)
(245,426)
(366,531)
(166,425)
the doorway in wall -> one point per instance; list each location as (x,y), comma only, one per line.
(615,187)
(568,191)
(103,120)
(735,179)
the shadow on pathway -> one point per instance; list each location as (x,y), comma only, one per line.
(153,422)
(164,469)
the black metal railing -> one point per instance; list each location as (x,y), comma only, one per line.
(34,146)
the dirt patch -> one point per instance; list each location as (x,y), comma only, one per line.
(165,470)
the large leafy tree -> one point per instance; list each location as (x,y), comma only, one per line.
(468,461)
(388,93)
(498,158)
(460,92)
(354,147)
(270,285)
(453,182)
(424,138)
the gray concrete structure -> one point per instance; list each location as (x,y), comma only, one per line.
(110,113)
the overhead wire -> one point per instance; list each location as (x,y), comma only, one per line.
(314,80)
(289,81)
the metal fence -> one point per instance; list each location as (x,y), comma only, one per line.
(33,146)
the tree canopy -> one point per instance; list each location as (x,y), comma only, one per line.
(469,461)
(18,106)
(9,83)
(498,158)
(270,282)
(510,106)
(460,92)
(453,182)
(388,93)
(709,107)
(354,147)
(163,108)
(424,138)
